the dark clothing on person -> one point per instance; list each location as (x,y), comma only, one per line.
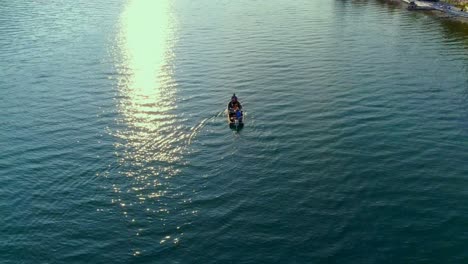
(233,105)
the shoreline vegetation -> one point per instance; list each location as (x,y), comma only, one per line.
(457,9)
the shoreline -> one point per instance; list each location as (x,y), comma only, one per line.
(450,10)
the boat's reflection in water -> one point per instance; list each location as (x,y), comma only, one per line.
(236,127)
(150,138)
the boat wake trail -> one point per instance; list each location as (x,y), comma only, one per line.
(198,128)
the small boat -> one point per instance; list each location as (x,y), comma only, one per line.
(234,113)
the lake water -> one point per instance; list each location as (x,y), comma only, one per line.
(115,146)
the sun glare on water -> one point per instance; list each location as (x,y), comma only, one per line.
(146,40)
(149,135)
(146,36)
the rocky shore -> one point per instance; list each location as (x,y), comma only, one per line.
(456,9)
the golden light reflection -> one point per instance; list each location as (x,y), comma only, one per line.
(151,135)
(146,33)
(149,149)
(147,89)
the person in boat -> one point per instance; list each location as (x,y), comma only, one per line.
(238,114)
(234,107)
(234,104)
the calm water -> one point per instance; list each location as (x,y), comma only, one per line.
(115,148)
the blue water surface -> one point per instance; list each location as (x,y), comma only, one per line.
(115,146)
